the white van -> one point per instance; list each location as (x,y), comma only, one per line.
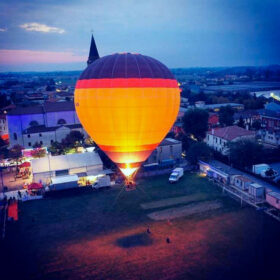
(102,182)
(176,174)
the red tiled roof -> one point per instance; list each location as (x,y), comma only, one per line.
(229,133)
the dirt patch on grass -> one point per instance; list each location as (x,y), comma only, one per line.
(135,240)
(184,211)
(173,201)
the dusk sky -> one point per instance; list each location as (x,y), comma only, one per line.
(55,34)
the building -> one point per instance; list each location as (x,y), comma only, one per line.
(184,102)
(266,93)
(270,124)
(216,170)
(44,123)
(273,198)
(83,165)
(217,107)
(241,182)
(272,106)
(93,52)
(220,138)
(256,191)
(168,149)
(226,175)
(270,120)
(248,116)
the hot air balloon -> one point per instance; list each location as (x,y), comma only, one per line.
(127,103)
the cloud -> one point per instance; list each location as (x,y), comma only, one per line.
(3,29)
(13,57)
(34,26)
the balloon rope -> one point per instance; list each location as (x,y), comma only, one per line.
(117,197)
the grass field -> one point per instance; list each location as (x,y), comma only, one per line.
(91,235)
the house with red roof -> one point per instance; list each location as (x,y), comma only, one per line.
(220,138)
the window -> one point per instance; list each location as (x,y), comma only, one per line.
(61,121)
(40,134)
(51,141)
(28,135)
(29,144)
(15,136)
(61,172)
(41,142)
(220,141)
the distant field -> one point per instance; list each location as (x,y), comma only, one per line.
(88,236)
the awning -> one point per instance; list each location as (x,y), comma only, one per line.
(25,164)
(64,179)
(35,186)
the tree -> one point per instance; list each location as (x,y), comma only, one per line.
(241,122)
(195,123)
(270,172)
(256,125)
(226,115)
(198,151)
(73,139)
(245,153)
(56,148)
(37,145)
(38,153)
(2,142)
(16,153)
(4,101)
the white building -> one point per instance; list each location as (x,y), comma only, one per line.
(44,124)
(220,138)
(83,165)
(168,149)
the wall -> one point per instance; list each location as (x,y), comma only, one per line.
(16,124)
(218,144)
(273,201)
(165,152)
(52,118)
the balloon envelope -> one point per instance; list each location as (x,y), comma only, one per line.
(127,103)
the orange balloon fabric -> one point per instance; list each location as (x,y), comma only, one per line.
(127,103)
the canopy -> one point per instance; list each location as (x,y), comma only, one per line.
(35,186)
(25,164)
(64,179)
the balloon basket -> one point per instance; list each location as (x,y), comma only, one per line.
(130,185)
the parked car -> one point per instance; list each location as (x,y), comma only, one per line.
(102,182)
(176,174)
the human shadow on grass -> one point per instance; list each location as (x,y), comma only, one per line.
(135,240)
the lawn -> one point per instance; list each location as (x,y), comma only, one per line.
(102,235)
